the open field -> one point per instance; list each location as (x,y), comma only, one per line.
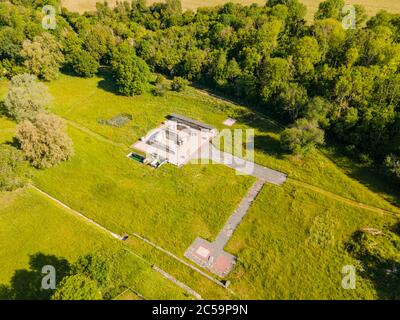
(119,193)
(31,223)
(290,244)
(85,101)
(371,6)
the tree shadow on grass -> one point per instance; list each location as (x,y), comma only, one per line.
(383,272)
(107,83)
(270,146)
(26,284)
(396,229)
(369,175)
(264,140)
(3,110)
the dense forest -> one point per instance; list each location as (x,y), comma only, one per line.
(317,78)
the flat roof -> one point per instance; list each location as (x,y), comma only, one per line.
(190,121)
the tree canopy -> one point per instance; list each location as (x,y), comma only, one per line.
(44,140)
(13,169)
(26,97)
(131,73)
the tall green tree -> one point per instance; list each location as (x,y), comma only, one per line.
(330,9)
(43,56)
(26,97)
(44,140)
(131,73)
(77,287)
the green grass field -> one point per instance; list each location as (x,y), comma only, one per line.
(85,101)
(290,245)
(119,193)
(303,236)
(31,223)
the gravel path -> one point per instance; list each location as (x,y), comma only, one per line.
(243,166)
(237,216)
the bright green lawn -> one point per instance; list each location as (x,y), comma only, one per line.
(170,206)
(31,223)
(6,126)
(7,130)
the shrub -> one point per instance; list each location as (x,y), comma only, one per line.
(161,86)
(302,137)
(13,169)
(392,164)
(179,84)
(44,140)
(26,97)
(83,64)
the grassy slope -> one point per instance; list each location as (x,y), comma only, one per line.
(81,101)
(303,235)
(372,6)
(303,214)
(31,223)
(7,129)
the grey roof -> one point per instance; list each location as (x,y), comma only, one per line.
(190,121)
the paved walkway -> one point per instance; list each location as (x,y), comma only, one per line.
(237,216)
(215,258)
(242,166)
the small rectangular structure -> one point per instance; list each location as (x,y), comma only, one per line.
(229,122)
(190,122)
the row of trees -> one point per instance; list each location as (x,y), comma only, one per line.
(319,78)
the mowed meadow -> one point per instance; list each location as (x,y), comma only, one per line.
(371,6)
(290,245)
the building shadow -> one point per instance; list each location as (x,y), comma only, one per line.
(26,284)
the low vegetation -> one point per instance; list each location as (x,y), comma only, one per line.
(26,97)
(287,220)
(13,169)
